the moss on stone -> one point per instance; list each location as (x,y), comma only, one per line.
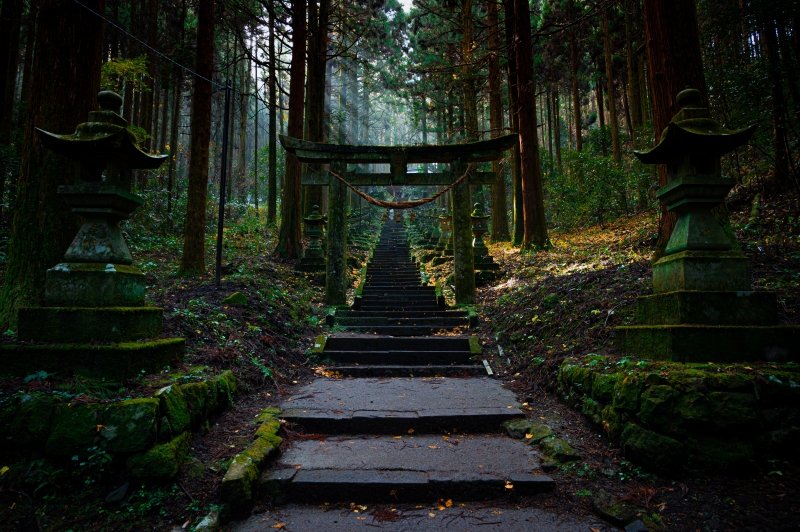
(627,392)
(712,454)
(226,386)
(75,429)
(32,420)
(558,449)
(734,412)
(611,421)
(658,409)
(688,380)
(538,432)
(161,462)
(269,431)
(130,426)
(266,413)
(236,299)
(777,444)
(172,404)
(195,394)
(592,409)
(212,396)
(603,387)
(693,408)
(651,449)
(517,428)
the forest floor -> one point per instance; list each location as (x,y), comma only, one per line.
(542,308)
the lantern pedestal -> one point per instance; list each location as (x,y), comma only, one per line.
(703,308)
(484,263)
(94,321)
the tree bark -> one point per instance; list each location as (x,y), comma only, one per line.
(470,94)
(535,236)
(10,22)
(173,138)
(612,98)
(674,61)
(601,113)
(272,179)
(500,231)
(557,108)
(634,95)
(66,79)
(513,104)
(289,245)
(193,261)
(576,100)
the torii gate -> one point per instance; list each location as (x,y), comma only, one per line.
(458,156)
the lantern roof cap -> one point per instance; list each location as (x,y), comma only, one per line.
(693,130)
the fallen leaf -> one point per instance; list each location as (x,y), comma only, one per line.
(528,436)
(411,431)
(449,503)
(509,485)
(431,447)
(496,512)
(432,514)
(279,525)
(397,437)
(4,470)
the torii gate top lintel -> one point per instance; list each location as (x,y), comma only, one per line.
(398,157)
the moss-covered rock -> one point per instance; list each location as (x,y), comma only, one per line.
(558,449)
(734,412)
(226,384)
(593,410)
(212,396)
(726,455)
(130,426)
(777,444)
(608,508)
(33,420)
(75,429)
(195,394)
(8,414)
(538,432)
(161,462)
(603,387)
(657,410)
(267,413)
(172,405)
(693,408)
(730,382)
(236,299)
(611,421)
(517,428)
(627,392)
(651,449)
(688,380)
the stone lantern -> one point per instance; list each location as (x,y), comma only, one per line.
(95,311)
(703,307)
(314,258)
(445,227)
(483,261)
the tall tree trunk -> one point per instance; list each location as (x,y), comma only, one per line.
(10,22)
(33,13)
(66,79)
(500,231)
(674,62)
(634,95)
(557,117)
(789,69)
(244,103)
(272,179)
(193,261)
(576,100)
(769,40)
(315,97)
(173,138)
(468,80)
(289,245)
(256,187)
(513,104)
(612,98)
(601,114)
(535,236)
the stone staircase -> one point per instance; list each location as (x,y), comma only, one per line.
(414,417)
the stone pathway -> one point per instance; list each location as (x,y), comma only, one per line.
(399,426)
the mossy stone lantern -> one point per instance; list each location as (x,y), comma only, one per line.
(95,320)
(445,228)
(483,261)
(703,307)
(313,258)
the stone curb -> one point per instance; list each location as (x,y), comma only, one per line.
(237,490)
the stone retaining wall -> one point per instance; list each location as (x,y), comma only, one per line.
(151,434)
(706,417)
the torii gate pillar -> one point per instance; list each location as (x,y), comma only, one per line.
(464,267)
(336,268)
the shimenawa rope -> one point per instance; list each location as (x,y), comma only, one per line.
(409,204)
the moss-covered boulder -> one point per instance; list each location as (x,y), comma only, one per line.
(627,392)
(688,380)
(558,449)
(694,409)
(33,420)
(608,508)
(8,414)
(651,449)
(226,384)
(777,444)
(603,387)
(517,428)
(657,410)
(130,426)
(734,412)
(715,454)
(161,462)
(612,421)
(172,405)
(75,429)
(236,299)
(537,433)
(196,394)
(212,396)
(593,410)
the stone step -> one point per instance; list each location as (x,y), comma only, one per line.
(408,469)
(380,321)
(398,357)
(390,298)
(410,305)
(402,313)
(368,342)
(403,330)
(422,289)
(363,371)
(399,405)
